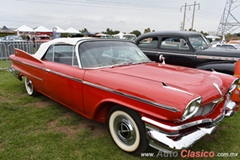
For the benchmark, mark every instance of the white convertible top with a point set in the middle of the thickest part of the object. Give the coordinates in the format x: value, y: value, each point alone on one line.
x: 44, y: 46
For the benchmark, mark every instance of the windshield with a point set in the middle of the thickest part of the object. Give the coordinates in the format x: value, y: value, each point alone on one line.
x: 110, y: 53
x: 199, y: 42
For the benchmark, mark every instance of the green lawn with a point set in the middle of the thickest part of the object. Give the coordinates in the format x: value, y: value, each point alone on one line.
x: 41, y: 129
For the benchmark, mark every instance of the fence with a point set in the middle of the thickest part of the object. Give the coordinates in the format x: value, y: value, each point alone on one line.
x: 7, y: 48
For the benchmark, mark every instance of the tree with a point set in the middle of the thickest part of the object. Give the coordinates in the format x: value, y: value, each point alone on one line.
x: 110, y: 31
x: 84, y: 30
x: 147, y: 30
x: 136, y: 32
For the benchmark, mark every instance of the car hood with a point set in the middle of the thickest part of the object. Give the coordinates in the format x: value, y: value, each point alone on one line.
x: 157, y: 79
x: 186, y: 79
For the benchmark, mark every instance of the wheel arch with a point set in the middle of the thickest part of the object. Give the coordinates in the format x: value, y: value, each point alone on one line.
x: 102, y: 111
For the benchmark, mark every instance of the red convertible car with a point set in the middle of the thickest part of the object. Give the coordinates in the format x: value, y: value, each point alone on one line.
x: 145, y: 103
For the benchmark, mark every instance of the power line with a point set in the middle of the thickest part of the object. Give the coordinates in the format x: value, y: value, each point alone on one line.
x: 193, y: 15
x: 105, y: 4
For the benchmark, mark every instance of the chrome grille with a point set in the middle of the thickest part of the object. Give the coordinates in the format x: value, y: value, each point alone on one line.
x: 203, y: 110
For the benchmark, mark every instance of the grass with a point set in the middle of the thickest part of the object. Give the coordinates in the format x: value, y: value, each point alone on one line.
x: 41, y: 129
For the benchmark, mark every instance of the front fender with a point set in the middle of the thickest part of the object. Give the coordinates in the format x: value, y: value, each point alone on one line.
x: 227, y: 68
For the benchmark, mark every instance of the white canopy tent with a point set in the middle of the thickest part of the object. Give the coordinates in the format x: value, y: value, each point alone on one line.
x: 24, y: 28
x: 59, y: 30
x: 71, y: 30
x: 42, y: 29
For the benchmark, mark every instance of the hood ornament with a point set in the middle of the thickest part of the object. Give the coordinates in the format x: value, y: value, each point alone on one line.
x: 162, y: 59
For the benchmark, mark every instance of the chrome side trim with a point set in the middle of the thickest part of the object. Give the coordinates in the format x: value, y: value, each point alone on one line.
x: 40, y: 79
x: 16, y: 73
x: 199, y: 56
x: 183, y: 126
x: 173, y: 109
x: 149, y: 51
x: 64, y: 75
x: 97, y: 86
x: 172, y: 53
x: 218, y: 58
x: 28, y: 64
x: 50, y: 71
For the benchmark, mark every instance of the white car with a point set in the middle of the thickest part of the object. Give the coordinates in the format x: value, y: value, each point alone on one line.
x: 227, y: 46
x: 12, y: 38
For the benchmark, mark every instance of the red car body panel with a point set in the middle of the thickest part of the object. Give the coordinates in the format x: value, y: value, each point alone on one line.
x: 69, y: 92
x: 156, y: 91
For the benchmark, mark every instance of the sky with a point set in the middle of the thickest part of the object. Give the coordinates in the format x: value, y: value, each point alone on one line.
x: 121, y: 15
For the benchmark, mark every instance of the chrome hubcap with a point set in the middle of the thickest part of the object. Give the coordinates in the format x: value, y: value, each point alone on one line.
x: 29, y: 86
x: 125, y: 130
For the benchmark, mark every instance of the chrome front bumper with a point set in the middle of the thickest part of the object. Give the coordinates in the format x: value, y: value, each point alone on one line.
x: 163, y: 141
x: 230, y: 106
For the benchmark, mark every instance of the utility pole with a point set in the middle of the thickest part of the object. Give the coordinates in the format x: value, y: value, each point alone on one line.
x: 184, y: 17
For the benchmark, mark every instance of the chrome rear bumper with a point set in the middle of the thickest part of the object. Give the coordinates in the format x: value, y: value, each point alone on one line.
x: 14, y: 72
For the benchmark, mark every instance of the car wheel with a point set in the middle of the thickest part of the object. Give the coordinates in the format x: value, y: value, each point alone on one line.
x: 29, y: 87
x: 127, y: 130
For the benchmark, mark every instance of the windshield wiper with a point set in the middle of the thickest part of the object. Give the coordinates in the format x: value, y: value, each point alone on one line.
x: 129, y: 63
x: 122, y: 64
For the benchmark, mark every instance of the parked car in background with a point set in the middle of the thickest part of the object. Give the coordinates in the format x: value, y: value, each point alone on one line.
x: 234, y: 41
x: 189, y: 49
x: 126, y: 36
x: 102, y: 35
x: 13, y: 38
x: 42, y: 38
x: 142, y: 101
x: 227, y: 46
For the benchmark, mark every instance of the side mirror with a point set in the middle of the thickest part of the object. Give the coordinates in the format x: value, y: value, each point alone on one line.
x: 162, y: 59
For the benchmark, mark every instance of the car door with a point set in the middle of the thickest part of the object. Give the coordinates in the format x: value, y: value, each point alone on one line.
x: 63, y: 80
x: 149, y: 46
x: 177, y: 51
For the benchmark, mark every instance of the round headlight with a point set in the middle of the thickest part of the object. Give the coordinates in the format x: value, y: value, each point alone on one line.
x: 234, y: 85
x: 191, y: 108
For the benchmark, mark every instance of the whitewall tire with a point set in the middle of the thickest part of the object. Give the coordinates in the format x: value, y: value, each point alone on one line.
x: 29, y: 87
x: 127, y: 130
